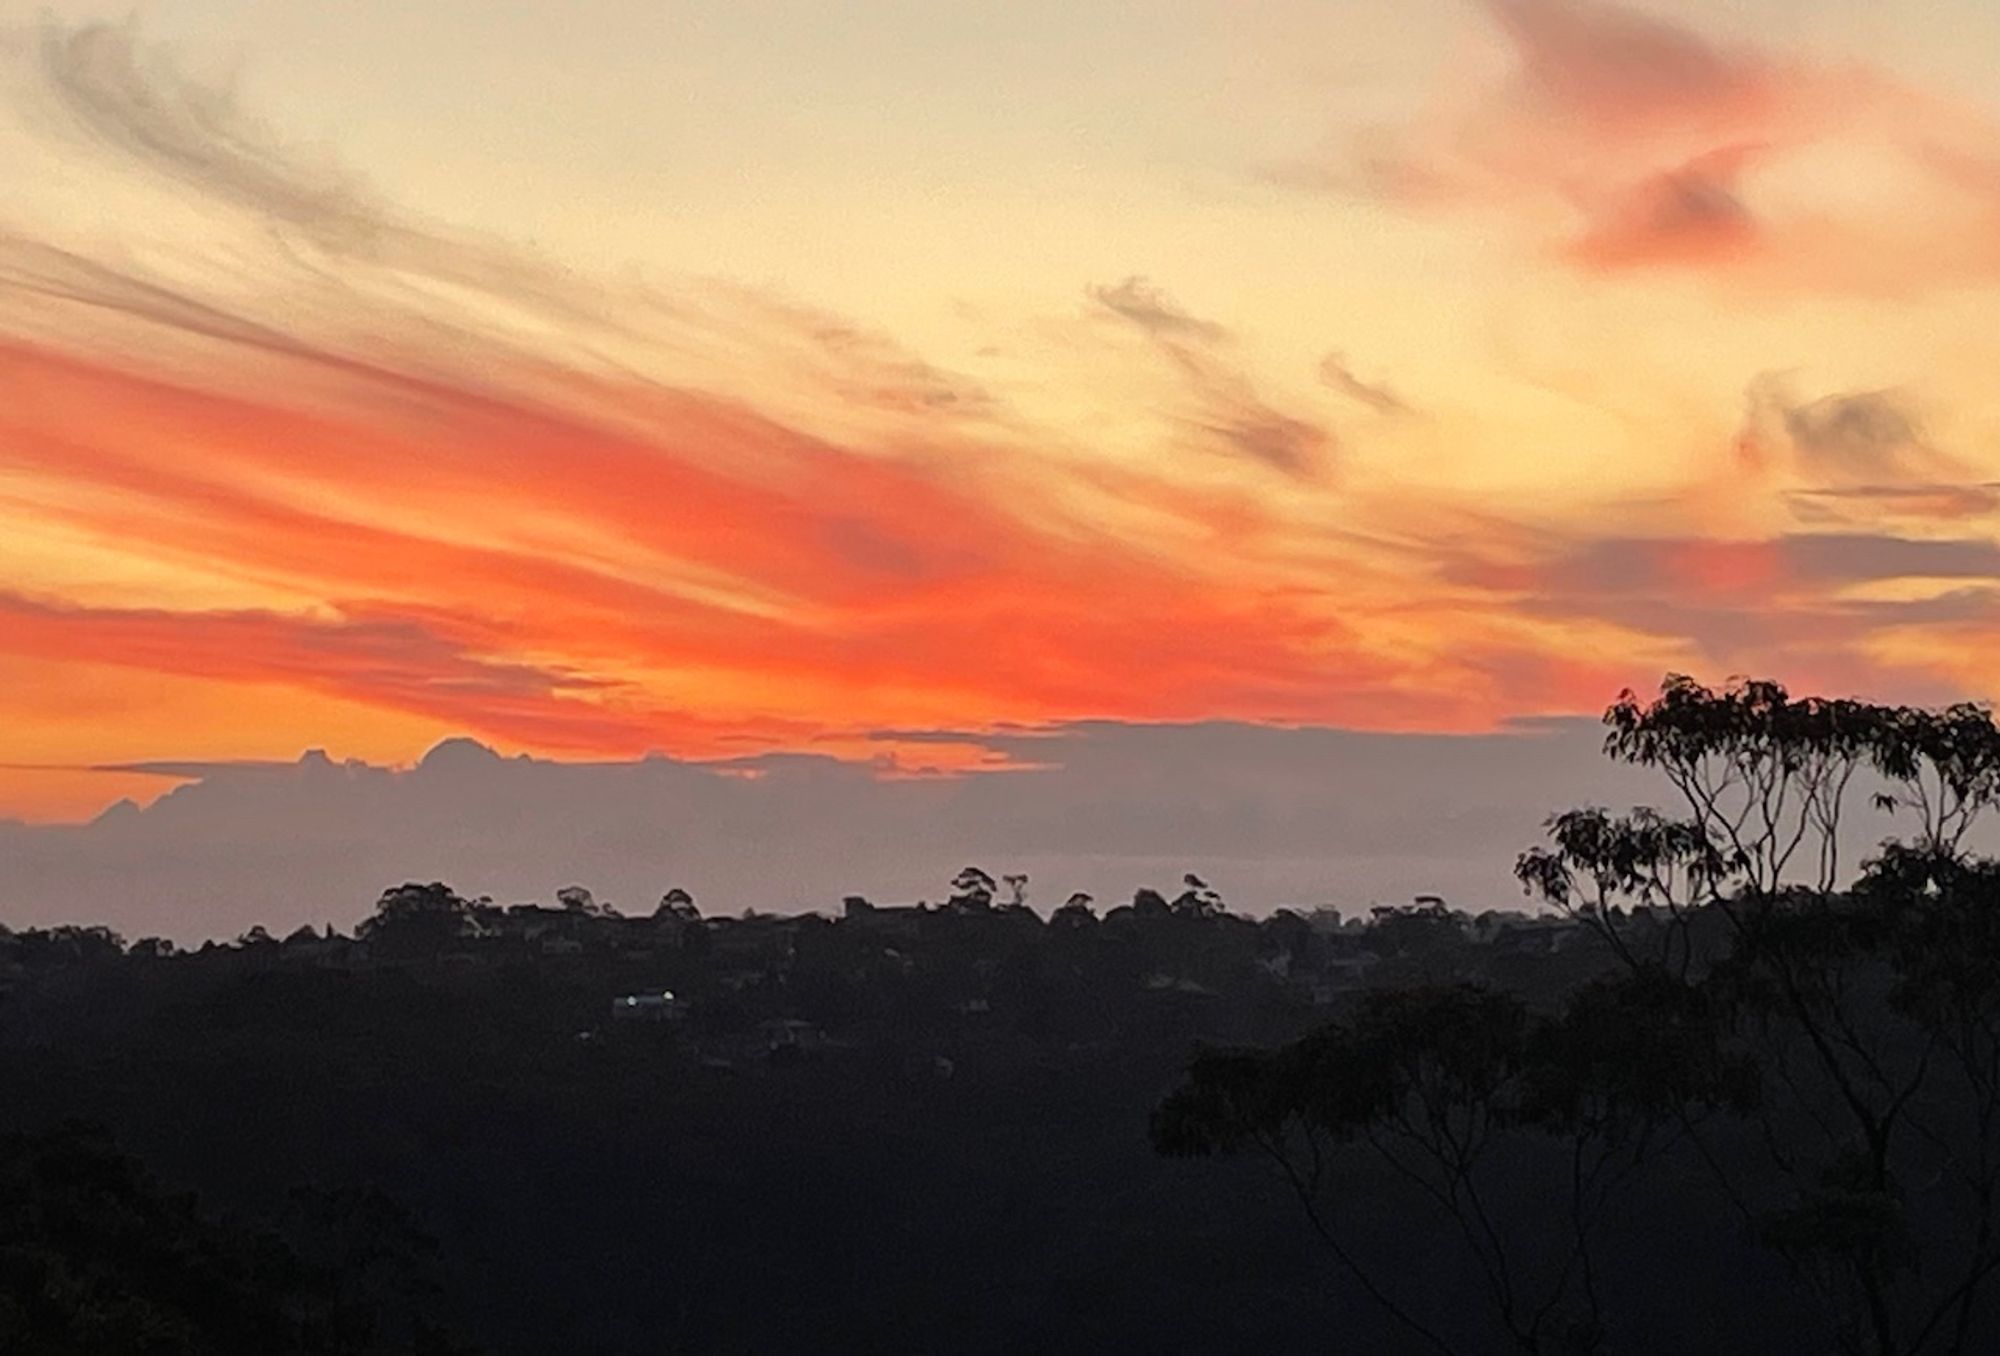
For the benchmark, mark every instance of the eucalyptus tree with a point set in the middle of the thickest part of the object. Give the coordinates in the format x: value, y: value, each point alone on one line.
x: 1437, y: 1087
x: 1826, y: 1052
x: 1866, y: 1011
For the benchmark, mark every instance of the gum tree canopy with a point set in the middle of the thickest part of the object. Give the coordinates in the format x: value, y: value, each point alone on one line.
x: 1820, y: 1056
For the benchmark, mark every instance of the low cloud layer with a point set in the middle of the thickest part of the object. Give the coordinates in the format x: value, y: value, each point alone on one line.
x: 1271, y: 816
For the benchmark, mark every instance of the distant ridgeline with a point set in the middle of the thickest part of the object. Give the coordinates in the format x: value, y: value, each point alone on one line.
x: 430, y: 927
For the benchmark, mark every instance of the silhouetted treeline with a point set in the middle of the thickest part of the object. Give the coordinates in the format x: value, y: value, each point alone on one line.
x: 902, y: 1128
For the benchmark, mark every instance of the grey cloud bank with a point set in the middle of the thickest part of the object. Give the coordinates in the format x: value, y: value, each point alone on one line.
x: 1272, y: 816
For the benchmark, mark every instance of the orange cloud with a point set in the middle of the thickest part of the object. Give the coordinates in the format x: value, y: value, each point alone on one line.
x: 506, y: 534
x: 375, y: 482
x: 396, y: 663
x: 569, y: 563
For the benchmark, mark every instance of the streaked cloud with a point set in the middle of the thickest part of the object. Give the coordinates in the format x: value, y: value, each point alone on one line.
x: 1848, y: 437
x: 1223, y: 405
x: 1334, y: 372
x: 1146, y: 306
x: 1620, y: 142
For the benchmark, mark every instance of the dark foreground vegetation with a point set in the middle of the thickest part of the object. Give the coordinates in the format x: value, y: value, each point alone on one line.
x: 1800, y: 1078
x: 1728, y: 1094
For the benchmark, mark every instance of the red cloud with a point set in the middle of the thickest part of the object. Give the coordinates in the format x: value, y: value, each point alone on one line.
x: 1692, y: 214
x: 391, y: 662
x: 531, y: 573
x: 581, y: 578
x: 1655, y: 148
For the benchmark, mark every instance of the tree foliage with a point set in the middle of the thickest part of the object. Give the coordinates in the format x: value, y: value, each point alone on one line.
x: 1827, y: 1052
x: 415, y: 919
x: 97, y: 1259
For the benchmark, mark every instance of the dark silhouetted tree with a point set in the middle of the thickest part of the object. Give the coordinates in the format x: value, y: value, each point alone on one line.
x: 67, y: 944
x: 1285, y: 933
x: 1423, y: 930
x: 416, y: 920
x: 1430, y: 1083
x: 972, y: 891
x: 677, y: 903
x: 1076, y: 912
x: 576, y: 899
x: 96, y: 1259
x: 1197, y: 899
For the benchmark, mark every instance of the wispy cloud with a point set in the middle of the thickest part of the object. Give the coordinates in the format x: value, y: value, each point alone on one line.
x: 119, y: 97
x: 1850, y: 504
x: 405, y: 662
x: 1847, y: 438
x: 1334, y: 372
x: 1622, y: 142
x: 1146, y: 306
x: 505, y: 497
x: 1224, y: 406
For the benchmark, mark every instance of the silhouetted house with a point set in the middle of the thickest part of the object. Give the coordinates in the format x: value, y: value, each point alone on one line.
x: 1343, y: 974
x: 766, y: 941
x: 328, y: 951
x: 736, y: 981
x: 532, y: 922
x: 790, y: 1035
x: 1161, y: 982
x: 886, y: 922
x: 256, y: 957
x: 667, y: 931
x: 1536, y: 934
x: 640, y: 939
x: 654, y: 1005
x: 1323, y: 919
x: 1487, y: 927
x: 1121, y: 919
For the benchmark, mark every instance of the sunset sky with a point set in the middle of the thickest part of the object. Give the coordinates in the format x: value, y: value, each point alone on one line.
x: 731, y: 376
